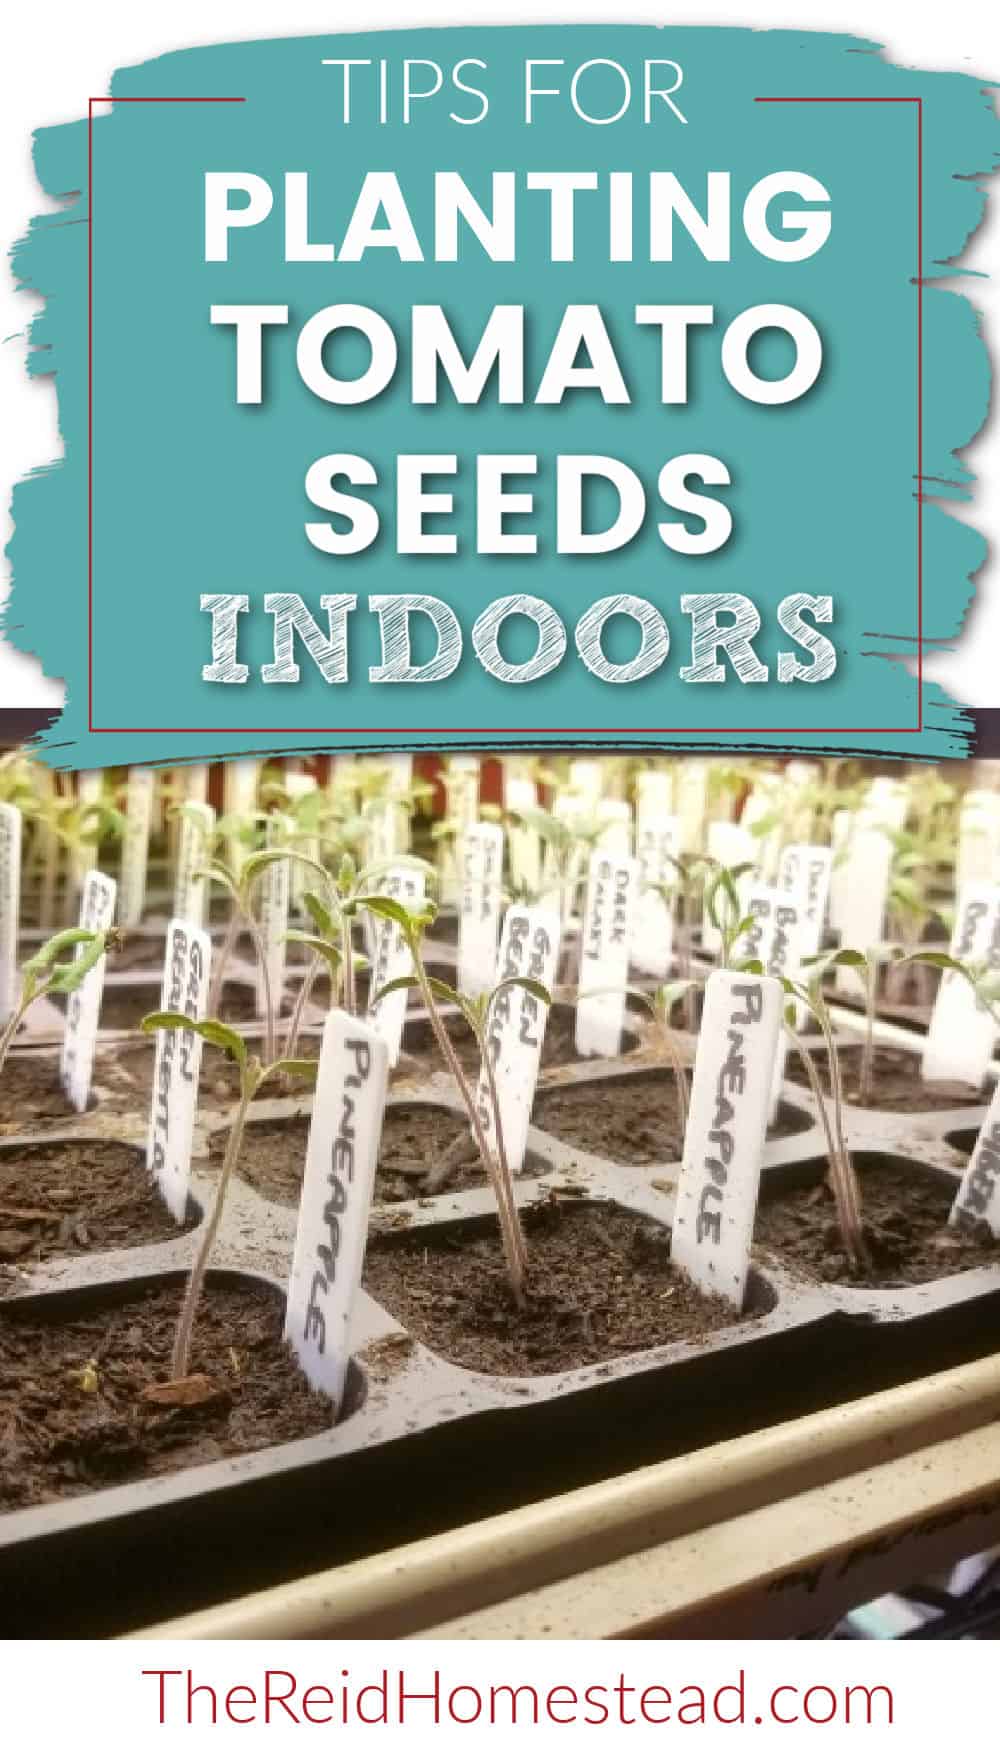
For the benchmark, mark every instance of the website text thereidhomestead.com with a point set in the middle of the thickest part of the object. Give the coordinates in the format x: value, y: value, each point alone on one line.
x: 391, y: 1697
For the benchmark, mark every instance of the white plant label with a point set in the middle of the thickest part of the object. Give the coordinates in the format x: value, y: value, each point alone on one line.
x: 344, y: 778
x: 978, y: 838
x: 400, y: 773
x: 804, y: 875
x: 380, y: 822
x: 240, y: 789
x: 773, y: 939
x: 302, y: 879
x: 461, y: 812
x: 196, y: 783
x: 979, y: 1193
x: 760, y: 806
x: 962, y: 1034
x: 193, y: 852
x: 480, y: 864
x: 800, y: 774
x: 730, y: 1105
x: 615, y: 821
x: 525, y: 844
x: 177, y: 1064
x: 89, y: 791
x: 783, y: 961
x: 567, y: 809
x: 841, y: 831
x: 400, y: 781
x: 341, y: 1158
x: 654, y: 794
x: 761, y: 908
x: 729, y: 845
x: 10, y: 894
x: 612, y: 885
x: 865, y: 887
x: 804, y: 880
x: 888, y: 803
x: 274, y: 887
x: 139, y: 790
x: 392, y: 959
x: 83, y: 1006
x: 240, y: 786
x: 529, y: 948
x: 463, y: 791
x: 586, y: 780
x: 657, y: 842
x: 689, y: 802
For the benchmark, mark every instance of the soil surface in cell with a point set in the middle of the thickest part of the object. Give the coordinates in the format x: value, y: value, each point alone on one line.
x: 634, y: 1120
x: 218, y: 1085
x: 73, y: 1417
x: 911, y: 1015
x: 67, y: 1198
x: 124, y: 1005
x: 558, y: 1045
x: 31, y: 1092
x: 905, y: 1214
x: 425, y: 1151
x: 601, y: 1286
x: 896, y: 1083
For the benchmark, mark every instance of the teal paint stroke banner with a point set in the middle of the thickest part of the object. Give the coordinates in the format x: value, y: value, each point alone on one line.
x: 172, y: 489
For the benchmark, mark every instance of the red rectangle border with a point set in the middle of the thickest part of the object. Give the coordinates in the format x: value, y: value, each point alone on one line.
x: 589, y: 730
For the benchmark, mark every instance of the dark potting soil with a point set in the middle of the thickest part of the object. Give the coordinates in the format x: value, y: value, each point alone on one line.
x: 896, y: 1083
x: 558, y: 1045
x: 444, y: 929
x: 905, y: 1214
x: 65, y: 1198
x: 913, y: 1016
x: 72, y: 1416
x: 421, y: 1154
x: 31, y: 1092
x: 601, y: 1285
x: 219, y: 1081
x: 124, y: 1005
x: 633, y: 1120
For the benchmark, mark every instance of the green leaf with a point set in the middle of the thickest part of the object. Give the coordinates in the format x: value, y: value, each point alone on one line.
x: 305, y: 1068
x: 407, y: 982
x: 929, y: 957
x: 443, y: 992
x: 43, y: 958
x: 552, y: 831
x: 533, y: 986
x: 393, y: 910
x: 310, y: 810
x: 672, y: 993
x: 218, y: 872
x: 766, y: 824
x: 722, y: 886
x: 321, y: 916
x: 213, y: 1032
x: 261, y: 860
x: 192, y: 811
x: 69, y: 977
x: 848, y: 957
x: 383, y: 866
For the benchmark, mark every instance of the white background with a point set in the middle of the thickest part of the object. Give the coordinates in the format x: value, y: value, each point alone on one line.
x: 79, y: 1693
x: 54, y: 54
